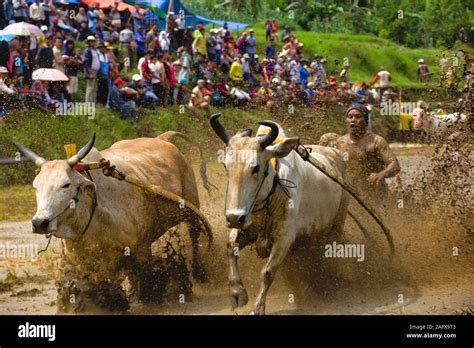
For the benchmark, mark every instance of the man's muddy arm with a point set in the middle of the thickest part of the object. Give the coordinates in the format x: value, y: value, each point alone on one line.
x: 392, y: 169
x: 391, y: 165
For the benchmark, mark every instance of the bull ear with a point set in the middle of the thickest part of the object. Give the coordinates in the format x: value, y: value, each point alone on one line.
x: 283, y: 148
x: 246, y: 133
x: 87, y: 186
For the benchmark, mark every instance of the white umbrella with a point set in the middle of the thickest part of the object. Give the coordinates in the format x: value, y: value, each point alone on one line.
x: 49, y: 75
x: 23, y: 29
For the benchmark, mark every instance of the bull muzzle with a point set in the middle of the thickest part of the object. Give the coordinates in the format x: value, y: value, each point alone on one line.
x: 40, y: 226
x: 235, y: 220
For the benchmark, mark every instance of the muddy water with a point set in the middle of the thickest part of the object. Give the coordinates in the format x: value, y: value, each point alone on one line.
x: 423, y: 278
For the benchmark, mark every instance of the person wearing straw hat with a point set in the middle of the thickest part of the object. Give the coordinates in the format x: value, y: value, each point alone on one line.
x: 103, y: 75
x: 91, y: 68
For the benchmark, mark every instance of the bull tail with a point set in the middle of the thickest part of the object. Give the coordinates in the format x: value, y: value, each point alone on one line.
x: 166, y: 136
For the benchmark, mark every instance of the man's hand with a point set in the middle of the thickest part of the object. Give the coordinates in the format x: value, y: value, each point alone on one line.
x: 375, y: 178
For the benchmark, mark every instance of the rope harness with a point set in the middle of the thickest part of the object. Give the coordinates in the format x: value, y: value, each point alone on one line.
x: 266, y: 202
x: 111, y: 171
x: 75, y: 199
x: 304, y: 153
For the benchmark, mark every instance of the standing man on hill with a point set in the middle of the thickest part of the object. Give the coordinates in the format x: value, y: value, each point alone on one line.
x: 45, y: 56
x: 91, y: 68
x: 422, y: 71
x: 251, y: 47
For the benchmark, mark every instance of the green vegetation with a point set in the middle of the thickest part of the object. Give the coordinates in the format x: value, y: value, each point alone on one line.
x: 366, y: 54
x: 428, y: 23
x: 17, y: 203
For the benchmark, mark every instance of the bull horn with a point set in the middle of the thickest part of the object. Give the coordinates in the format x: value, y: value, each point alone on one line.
x: 218, y: 128
x: 269, y: 138
x: 33, y: 157
x: 82, y: 152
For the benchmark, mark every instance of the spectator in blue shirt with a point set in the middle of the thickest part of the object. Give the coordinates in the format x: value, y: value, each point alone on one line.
x: 304, y: 75
x: 138, y: 19
x: 270, y: 49
x: 251, y: 45
x: 140, y: 39
x: 8, y: 9
x: 91, y: 18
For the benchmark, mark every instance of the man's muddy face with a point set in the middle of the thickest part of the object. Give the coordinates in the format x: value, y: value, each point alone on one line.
x: 356, y: 123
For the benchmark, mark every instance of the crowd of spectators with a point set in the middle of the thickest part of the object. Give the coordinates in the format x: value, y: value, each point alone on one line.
x: 166, y: 62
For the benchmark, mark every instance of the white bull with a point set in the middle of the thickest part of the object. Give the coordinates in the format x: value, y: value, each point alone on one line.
x: 108, y: 225
x: 274, y: 206
x: 439, y: 123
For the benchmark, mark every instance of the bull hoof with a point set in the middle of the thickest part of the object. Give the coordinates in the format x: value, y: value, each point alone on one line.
x: 238, y: 296
x: 259, y: 310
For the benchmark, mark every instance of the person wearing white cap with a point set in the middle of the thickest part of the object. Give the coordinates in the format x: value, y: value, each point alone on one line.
x: 251, y: 46
x: 4, y: 89
x: 245, y: 64
x: 422, y: 71
x: 211, y: 44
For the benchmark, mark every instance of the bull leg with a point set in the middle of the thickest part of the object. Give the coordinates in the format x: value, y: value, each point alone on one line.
x: 198, y: 268
x: 340, y: 219
x: 279, y: 251
x: 238, y: 293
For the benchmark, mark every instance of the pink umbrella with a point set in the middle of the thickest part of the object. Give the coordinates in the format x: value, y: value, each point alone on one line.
x: 23, y: 29
x: 49, y: 75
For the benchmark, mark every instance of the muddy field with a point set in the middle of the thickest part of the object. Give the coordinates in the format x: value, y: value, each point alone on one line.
x: 431, y: 273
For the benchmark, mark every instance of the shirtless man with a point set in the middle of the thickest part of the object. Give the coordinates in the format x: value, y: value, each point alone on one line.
x: 369, y: 158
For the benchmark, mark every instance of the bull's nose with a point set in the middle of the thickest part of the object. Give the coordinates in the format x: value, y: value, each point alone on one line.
x: 235, y: 220
x: 40, y: 225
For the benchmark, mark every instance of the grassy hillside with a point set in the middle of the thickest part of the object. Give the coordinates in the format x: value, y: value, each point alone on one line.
x: 47, y: 134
